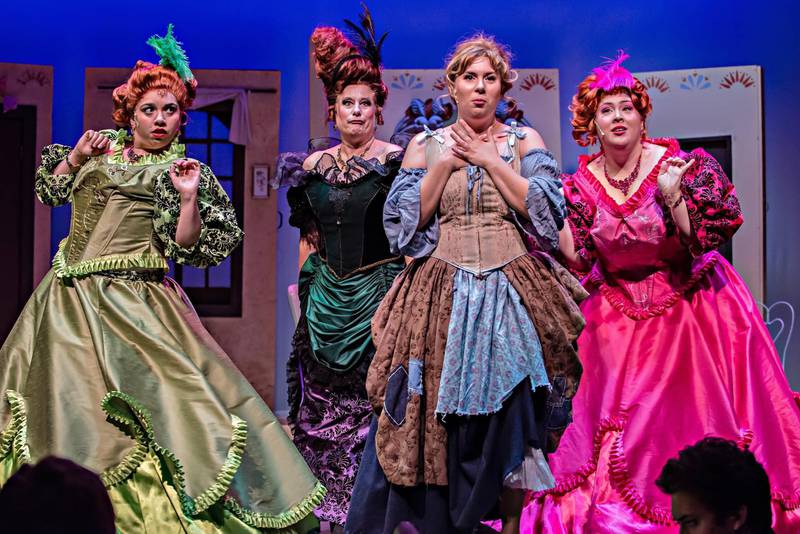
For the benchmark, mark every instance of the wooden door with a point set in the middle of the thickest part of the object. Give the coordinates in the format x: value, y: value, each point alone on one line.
x: 17, y: 154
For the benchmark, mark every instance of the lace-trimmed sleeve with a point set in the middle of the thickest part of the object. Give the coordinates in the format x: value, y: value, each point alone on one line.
x: 290, y: 171
x: 302, y: 217
x: 219, y: 231
x: 53, y: 189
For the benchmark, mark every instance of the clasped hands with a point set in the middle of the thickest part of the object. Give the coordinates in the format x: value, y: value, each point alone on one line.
x: 471, y: 148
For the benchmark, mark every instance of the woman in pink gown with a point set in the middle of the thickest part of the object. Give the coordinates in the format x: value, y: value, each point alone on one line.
x: 674, y: 347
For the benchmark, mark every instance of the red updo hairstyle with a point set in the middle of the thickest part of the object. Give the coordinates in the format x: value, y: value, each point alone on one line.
x: 145, y: 77
x: 342, y: 65
x: 330, y: 47
x: 586, y: 101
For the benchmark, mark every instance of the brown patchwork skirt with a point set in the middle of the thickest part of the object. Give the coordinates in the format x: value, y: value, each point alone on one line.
x: 412, y: 324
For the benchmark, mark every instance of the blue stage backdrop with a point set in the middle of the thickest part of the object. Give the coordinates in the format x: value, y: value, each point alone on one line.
x: 571, y: 36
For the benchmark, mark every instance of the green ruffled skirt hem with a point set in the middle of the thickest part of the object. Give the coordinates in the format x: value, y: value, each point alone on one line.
x: 147, y: 487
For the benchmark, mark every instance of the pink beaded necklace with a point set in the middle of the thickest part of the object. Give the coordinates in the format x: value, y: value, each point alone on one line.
x: 624, y: 184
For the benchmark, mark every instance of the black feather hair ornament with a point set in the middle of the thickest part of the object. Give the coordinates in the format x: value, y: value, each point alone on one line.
x: 364, y: 36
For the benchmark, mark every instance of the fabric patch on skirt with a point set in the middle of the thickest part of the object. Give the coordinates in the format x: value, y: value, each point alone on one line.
x: 415, y: 368
x: 396, y: 399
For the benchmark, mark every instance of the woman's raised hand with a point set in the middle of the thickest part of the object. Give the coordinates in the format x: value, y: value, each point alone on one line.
x: 185, y: 175
x: 91, y: 143
x: 669, y: 178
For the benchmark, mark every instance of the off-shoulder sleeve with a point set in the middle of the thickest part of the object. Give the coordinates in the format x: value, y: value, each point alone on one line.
x: 53, y: 189
x: 580, y: 217
x: 401, y: 217
x: 219, y: 231
x: 544, y: 201
x: 289, y: 170
x: 710, y: 197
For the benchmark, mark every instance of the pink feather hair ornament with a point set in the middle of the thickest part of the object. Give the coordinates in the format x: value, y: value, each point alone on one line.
x: 612, y: 74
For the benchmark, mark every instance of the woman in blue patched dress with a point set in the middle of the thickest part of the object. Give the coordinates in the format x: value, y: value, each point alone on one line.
x: 475, y: 361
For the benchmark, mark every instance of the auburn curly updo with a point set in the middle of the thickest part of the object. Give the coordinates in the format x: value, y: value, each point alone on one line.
x: 340, y: 64
x: 145, y: 77
x: 330, y: 47
x: 586, y: 101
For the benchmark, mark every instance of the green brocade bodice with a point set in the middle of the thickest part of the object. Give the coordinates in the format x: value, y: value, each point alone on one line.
x: 124, y: 215
x: 112, y: 221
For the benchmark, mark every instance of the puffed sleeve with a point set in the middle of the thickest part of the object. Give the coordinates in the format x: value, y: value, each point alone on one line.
x: 53, y: 189
x: 710, y: 197
x: 401, y: 217
x: 580, y: 217
x: 290, y: 171
x: 544, y: 201
x: 302, y: 217
x: 219, y: 231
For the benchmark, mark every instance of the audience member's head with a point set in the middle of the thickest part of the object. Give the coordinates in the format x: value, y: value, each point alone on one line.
x: 717, y: 488
x: 55, y: 496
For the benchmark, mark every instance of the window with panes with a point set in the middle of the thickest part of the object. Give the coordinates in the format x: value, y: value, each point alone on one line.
x: 217, y: 290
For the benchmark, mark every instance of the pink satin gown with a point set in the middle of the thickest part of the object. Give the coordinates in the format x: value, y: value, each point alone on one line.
x: 674, y: 350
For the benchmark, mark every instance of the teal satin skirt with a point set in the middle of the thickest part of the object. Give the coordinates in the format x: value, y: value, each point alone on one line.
x: 339, y: 310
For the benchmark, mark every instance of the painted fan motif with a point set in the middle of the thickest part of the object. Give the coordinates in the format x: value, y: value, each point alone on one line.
x: 659, y: 84
x: 407, y: 81
x: 532, y: 80
x: 695, y: 82
x: 737, y: 76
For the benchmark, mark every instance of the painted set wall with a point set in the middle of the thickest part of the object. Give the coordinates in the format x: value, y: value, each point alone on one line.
x: 570, y: 36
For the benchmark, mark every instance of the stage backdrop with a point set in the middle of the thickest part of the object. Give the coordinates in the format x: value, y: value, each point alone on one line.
x: 570, y: 36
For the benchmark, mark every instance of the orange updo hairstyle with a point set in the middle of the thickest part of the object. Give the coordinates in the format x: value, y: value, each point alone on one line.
x: 477, y: 46
x: 586, y: 101
x: 342, y: 65
x: 145, y: 77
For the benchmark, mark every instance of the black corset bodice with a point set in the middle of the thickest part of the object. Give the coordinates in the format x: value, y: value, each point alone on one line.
x: 341, y: 211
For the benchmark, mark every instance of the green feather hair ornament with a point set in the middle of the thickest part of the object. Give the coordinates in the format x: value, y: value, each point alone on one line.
x: 171, y: 54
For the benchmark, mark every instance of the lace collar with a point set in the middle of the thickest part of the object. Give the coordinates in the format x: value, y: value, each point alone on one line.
x: 355, y: 169
x: 119, y: 139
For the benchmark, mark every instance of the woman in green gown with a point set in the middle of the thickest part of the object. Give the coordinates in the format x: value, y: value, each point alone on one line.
x: 109, y: 366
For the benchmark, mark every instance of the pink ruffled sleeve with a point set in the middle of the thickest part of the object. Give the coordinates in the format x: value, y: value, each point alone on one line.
x: 710, y: 197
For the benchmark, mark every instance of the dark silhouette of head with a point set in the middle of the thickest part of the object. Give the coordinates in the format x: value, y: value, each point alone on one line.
x: 55, y: 496
x: 718, y: 488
